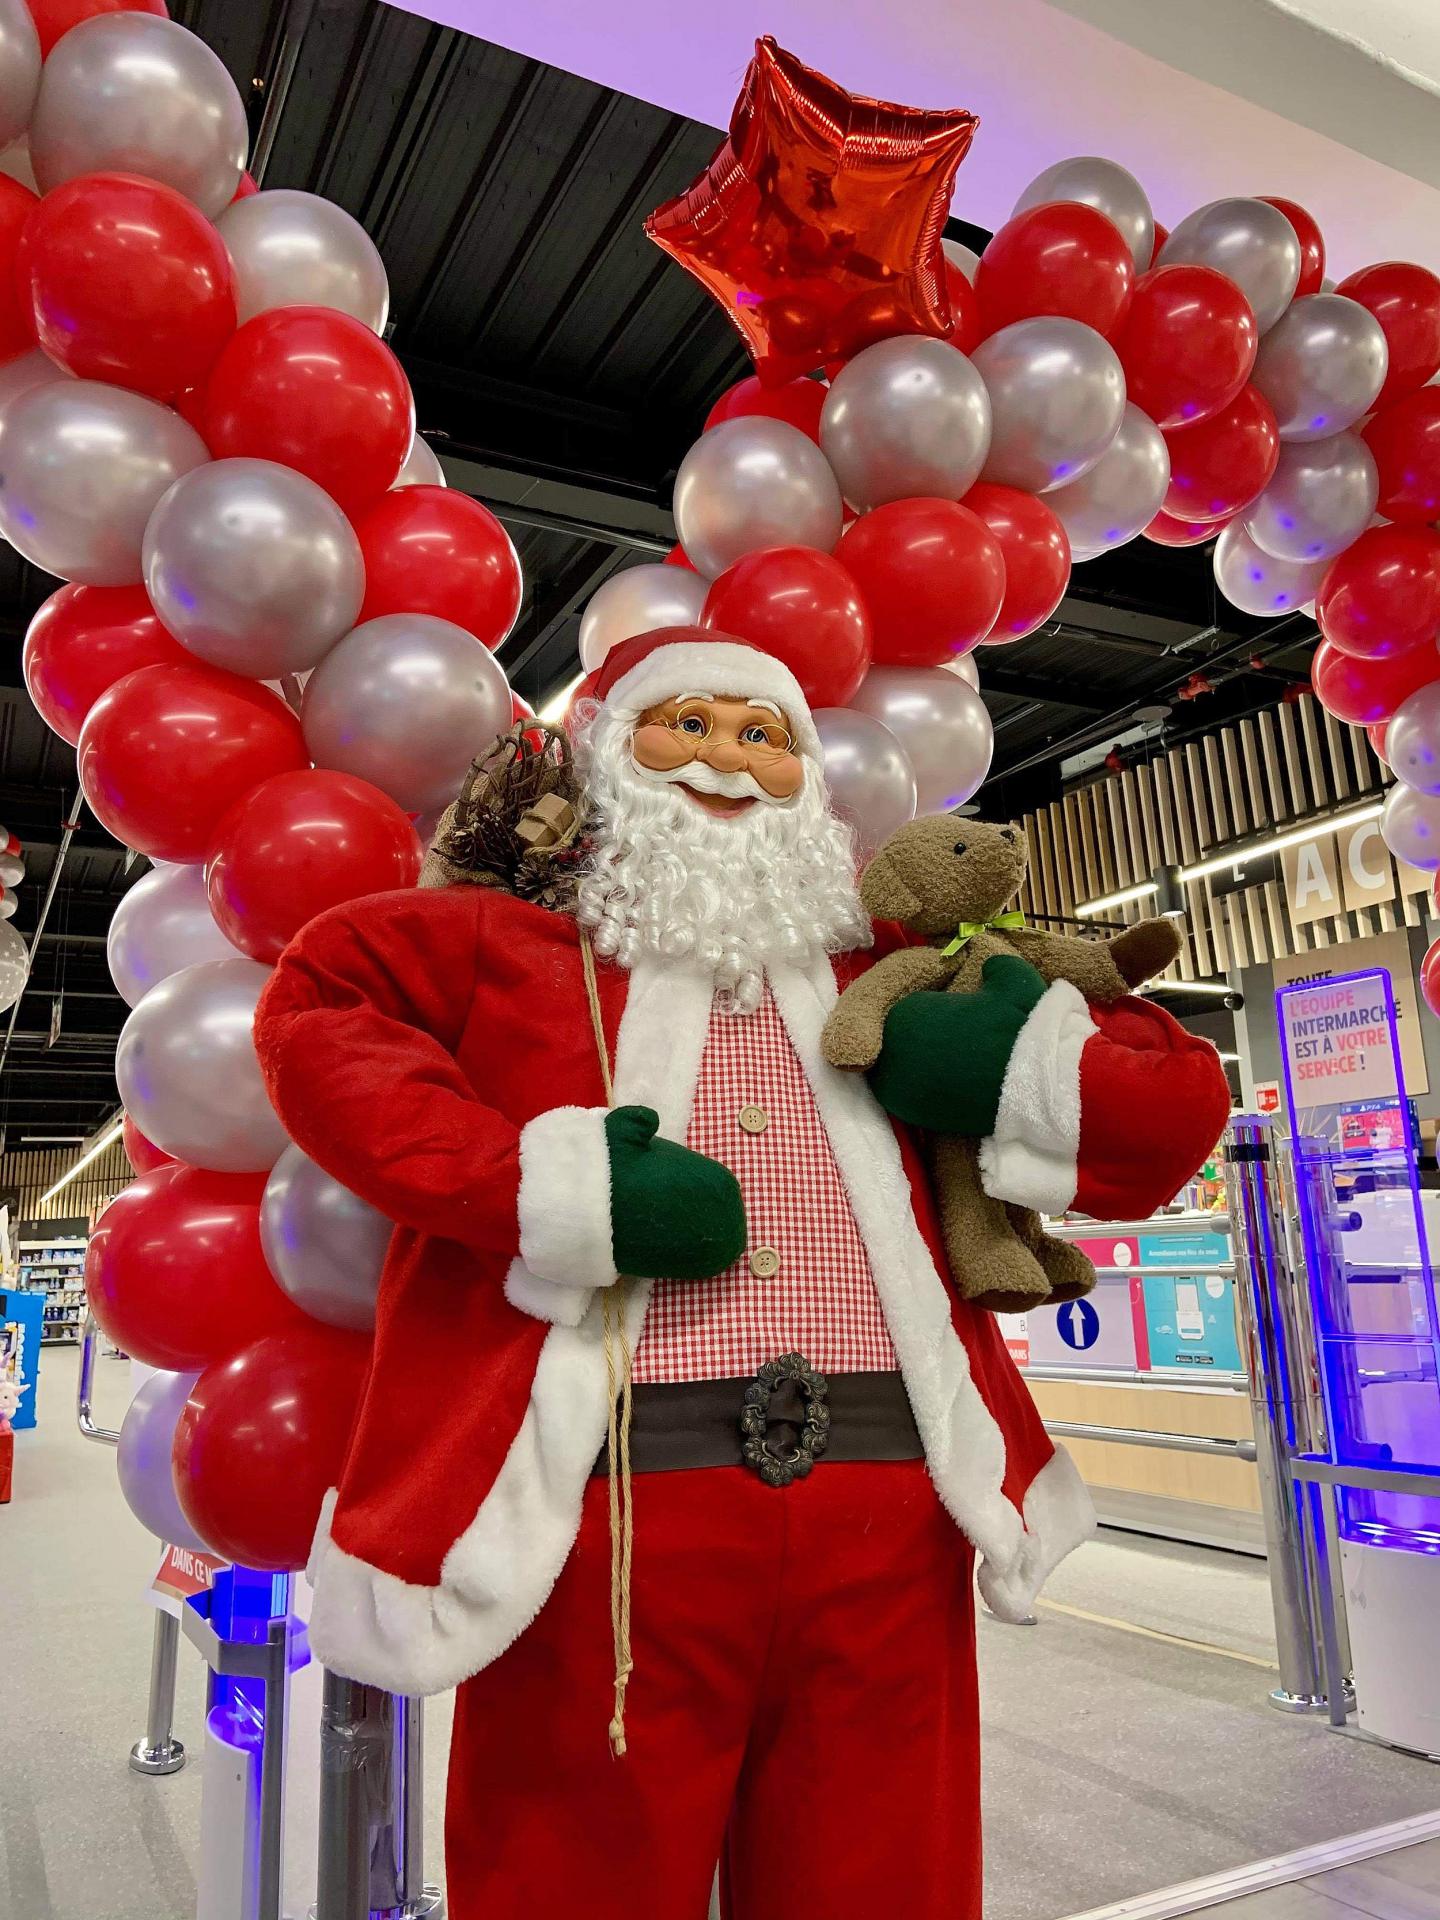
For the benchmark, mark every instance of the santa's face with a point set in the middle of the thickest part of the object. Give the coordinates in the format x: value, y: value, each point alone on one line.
x: 725, y: 755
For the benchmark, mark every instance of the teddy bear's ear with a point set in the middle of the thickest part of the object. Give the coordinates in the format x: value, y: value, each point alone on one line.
x: 884, y: 893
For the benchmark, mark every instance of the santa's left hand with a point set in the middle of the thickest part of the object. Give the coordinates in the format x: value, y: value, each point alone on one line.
x: 944, y: 1057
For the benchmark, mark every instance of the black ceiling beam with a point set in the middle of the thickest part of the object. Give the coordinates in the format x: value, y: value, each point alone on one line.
x: 1018, y: 685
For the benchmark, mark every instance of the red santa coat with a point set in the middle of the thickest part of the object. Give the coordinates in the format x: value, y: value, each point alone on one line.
x: 433, y: 1051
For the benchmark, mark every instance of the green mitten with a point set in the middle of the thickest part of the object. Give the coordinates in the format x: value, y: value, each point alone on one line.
x: 674, y: 1214
x: 943, y: 1060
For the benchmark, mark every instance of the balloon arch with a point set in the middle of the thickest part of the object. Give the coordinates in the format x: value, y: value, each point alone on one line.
x: 275, y: 650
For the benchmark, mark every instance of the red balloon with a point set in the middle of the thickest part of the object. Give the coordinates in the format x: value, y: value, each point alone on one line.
x: 263, y: 1438
x: 931, y: 576
x: 966, y: 331
x: 1063, y: 258
x: 84, y: 639
x: 816, y: 227
x: 1405, y: 440
x: 1312, y: 245
x: 127, y: 282
x: 1221, y: 464
x: 56, y: 17
x: 433, y: 550
x: 1382, y: 594
x: 803, y: 607
x: 1187, y: 344
x: 165, y: 752
x: 300, y: 843
x: 1430, y: 971
x: 1363, y: 692
x: 1166, y: 531
x: 144, y: 1156
x: 1376, y: 734
x: 1036, y: 552
x: 174, y: 1270
x: 315, y: 390
x: 1162, y: 234
x: 797, y: 403
x: 1405, y: 299
x: 17, y: 327
x: 677, y: 557
x: 246, y: 187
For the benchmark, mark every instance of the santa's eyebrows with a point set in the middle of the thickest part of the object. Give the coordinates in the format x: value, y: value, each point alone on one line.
x: 743, y: 698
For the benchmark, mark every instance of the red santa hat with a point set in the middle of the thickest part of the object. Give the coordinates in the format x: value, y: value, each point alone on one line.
x: 674, y: 661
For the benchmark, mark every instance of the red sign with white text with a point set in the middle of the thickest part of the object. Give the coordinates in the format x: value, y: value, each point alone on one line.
x: 184, y: 1573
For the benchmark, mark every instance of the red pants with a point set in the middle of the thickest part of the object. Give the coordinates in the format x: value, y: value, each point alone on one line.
x: 803, y: 1710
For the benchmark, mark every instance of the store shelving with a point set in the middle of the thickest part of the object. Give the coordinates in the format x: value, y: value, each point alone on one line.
x: 56, y: 1269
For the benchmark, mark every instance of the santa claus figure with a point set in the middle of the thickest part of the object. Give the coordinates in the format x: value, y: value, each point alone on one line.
x: 695, y: 1441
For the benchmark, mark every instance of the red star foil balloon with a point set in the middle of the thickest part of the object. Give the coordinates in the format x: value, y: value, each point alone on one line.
x: 817, y: 225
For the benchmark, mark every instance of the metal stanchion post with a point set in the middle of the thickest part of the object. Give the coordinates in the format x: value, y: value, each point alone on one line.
x: 1264, y: 1291
x: 372, y: 1807
x: 160, y: 1751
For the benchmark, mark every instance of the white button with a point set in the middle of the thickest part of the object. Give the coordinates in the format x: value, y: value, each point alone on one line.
x: 764, y: 1263
x: 754, y: 1119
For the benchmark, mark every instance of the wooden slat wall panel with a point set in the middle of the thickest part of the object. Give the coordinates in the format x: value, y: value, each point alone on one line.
x: 29, y: 1173
x: 1279, y: 766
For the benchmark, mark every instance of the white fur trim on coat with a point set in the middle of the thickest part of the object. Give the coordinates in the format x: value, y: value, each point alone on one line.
x: 1031, y: 1158
x: 1059, y: 1515
x: 717, y: 667
x: 565, y: 1201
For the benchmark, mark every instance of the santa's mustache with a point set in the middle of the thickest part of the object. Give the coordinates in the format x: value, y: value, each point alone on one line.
x: 699, y: 774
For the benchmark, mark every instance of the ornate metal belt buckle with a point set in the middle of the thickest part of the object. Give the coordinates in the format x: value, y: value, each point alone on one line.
x: 784, y: 1420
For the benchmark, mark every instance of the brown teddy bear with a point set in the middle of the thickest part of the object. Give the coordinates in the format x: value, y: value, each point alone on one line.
x: 949, y: 878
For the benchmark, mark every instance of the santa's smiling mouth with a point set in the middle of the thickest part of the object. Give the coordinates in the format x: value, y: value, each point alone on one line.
x: 718, y: 803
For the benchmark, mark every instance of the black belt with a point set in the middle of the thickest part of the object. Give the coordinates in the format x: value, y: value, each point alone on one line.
x: 778, y: 1422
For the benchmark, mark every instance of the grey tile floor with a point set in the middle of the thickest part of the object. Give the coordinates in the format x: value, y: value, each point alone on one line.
x: 1404, y: 1885
x: 1115, y: 1763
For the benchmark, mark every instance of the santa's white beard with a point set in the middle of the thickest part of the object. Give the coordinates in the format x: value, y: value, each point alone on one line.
x: 771, y: 886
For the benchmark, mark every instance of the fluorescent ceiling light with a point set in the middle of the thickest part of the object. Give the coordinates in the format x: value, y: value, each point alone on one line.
x: 1226, y: 1056
x: 554, y: 708
x: 1089, y: 908
x: 1237, y: 856
x: 1188, y: 986
x: 106, y: 1139
x: 51, y: 1139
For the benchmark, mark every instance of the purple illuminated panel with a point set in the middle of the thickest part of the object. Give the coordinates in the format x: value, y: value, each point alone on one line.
x: 1366, y: 1235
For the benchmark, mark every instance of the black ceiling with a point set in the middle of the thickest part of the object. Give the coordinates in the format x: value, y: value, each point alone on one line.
x: 561, y: 365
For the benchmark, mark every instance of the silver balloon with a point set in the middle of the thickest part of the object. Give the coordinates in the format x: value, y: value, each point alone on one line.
x: 1412, y: 741
x: 638, y: 601
x: 1410, y: 826
x: 754, y: 483
x: 964, y: 258
x: 1105, y: 185
x: 422, y: 466
x: 1120, y: 494
x: 1248, y: 240
x: 1258, y: 583
x: 162, y: 925
x: 142, y: 1459
x: 1057, y: 398
x: 14, y: 966
x: 965, y: 667
x: 15, y: 161
x: 942, y: 725
x: 906, y: 417
x: 82, y: 466
x: 134, y: 93
x: 1321, y: 497
x: 324, y: 1245
x: 9, y: 906
x: 1321, y: 365
x: 253, y: 567
x: 187, y: 1073
x: 12, y: 870
x: 406, y: 702
x: 293, y: 249
x: 19, y: 69
x: 27, y: 370
x: 871, y: 781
